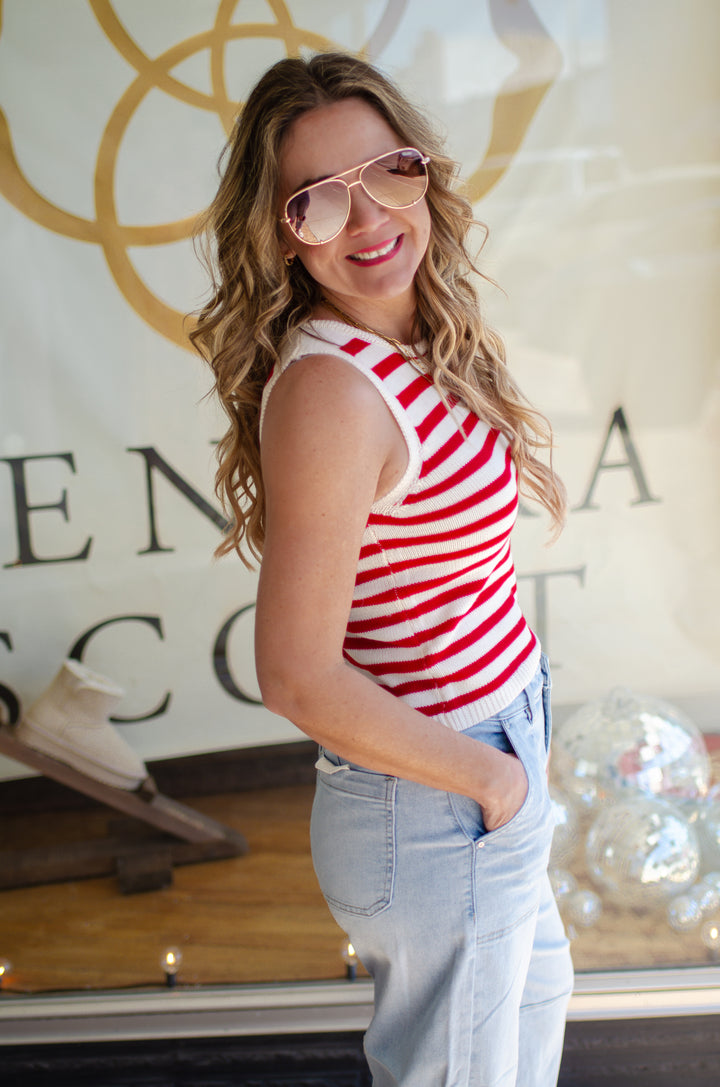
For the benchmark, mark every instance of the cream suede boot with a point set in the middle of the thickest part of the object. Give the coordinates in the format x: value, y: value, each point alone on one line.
x: 70, y: 722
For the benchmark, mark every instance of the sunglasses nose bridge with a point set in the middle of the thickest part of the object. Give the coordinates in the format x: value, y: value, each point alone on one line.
x: 365, y: 212
x: 359, y: 181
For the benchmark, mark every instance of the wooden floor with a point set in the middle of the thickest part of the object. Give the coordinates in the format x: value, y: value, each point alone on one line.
x: 258, y: 918
x: 247, y: 919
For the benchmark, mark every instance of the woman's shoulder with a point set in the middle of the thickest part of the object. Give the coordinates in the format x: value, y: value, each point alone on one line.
x: 320, y: 380
x: 323, y: 393
x: 330, y: 367
x: 317, y: 359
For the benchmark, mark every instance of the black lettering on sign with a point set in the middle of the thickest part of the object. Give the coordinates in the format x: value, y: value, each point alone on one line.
x: 631, y: 462
x: 23, y: 509
x: 540, y: 594
x: 9, y: 699
x: 220, y: 660
x: 77, y: 650
x: 154, y: 462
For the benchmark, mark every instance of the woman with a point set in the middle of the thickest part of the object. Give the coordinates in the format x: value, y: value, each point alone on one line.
x: 372, y: 458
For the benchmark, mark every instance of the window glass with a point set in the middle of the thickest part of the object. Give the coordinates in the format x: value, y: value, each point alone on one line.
x: 587, y: 136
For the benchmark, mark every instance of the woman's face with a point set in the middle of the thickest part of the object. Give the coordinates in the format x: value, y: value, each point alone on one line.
x: 378, y: 251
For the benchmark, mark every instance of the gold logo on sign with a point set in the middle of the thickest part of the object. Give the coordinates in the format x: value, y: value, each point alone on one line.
x: 514, y: 21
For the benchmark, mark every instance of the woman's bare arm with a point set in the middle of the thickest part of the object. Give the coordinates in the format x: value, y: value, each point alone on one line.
x: 329, y: 446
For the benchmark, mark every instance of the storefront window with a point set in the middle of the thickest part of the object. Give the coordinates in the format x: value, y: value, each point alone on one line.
x: 587, y: 137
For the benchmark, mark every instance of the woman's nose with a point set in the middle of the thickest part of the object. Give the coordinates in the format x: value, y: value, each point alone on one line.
x: 365, y: 213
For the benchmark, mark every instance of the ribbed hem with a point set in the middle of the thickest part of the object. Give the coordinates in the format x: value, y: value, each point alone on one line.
x: 483, y: 708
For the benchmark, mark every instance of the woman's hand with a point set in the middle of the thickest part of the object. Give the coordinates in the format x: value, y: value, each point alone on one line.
x: 507, y: 796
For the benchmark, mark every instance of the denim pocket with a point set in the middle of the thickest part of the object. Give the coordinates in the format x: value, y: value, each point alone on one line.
x: 509, y: 862
x: 467, y: 812
x: 352, y: 835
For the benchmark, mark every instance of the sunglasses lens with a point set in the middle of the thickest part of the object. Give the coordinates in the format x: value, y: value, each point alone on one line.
x: 398, y: 180
x: 317, y: 214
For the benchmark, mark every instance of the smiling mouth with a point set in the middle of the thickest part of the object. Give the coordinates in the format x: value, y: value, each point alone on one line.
x: 373, y: 256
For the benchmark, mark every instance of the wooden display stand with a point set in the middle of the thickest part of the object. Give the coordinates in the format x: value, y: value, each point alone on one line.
x: 141, y: 850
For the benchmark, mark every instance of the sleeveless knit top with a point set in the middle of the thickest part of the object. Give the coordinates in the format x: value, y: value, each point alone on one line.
x: 434, y: 617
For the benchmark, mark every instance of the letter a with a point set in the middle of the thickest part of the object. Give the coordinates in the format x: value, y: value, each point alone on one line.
x: 632, y: 461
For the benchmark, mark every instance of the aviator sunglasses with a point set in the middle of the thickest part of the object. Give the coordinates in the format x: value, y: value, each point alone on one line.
x: 317, y: 213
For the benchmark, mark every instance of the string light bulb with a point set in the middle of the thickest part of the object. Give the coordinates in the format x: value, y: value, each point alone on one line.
x: 710, y: 936
x: 5, y: 968
x: 170, y: 962
x: 349, y: 956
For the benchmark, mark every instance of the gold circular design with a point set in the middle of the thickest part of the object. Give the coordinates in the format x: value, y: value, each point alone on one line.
x: 515, y: 106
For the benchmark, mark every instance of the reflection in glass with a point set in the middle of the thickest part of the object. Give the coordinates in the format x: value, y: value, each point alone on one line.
x: 630, y: 743
x: 642, y: 852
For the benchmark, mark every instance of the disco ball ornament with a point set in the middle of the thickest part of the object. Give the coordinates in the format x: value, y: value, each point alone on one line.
x: 626, y: 743
x: 583, y: 908
x: 684, y: 913
x: 708, y: 827
x: 563, y: 884
x: 712, y: 879
x: 642, y: 852
x: 566, y: 836
x: 707, y: 896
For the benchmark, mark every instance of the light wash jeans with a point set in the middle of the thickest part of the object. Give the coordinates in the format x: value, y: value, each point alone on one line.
x: 458, y: 926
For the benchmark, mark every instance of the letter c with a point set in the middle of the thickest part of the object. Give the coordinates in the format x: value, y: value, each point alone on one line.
x: 76, y: 653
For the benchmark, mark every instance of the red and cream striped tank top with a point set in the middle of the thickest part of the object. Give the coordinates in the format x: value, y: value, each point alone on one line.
x: 434, y: 617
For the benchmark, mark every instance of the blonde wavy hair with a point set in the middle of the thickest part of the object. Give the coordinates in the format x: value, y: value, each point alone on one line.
x: 257, y: 301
